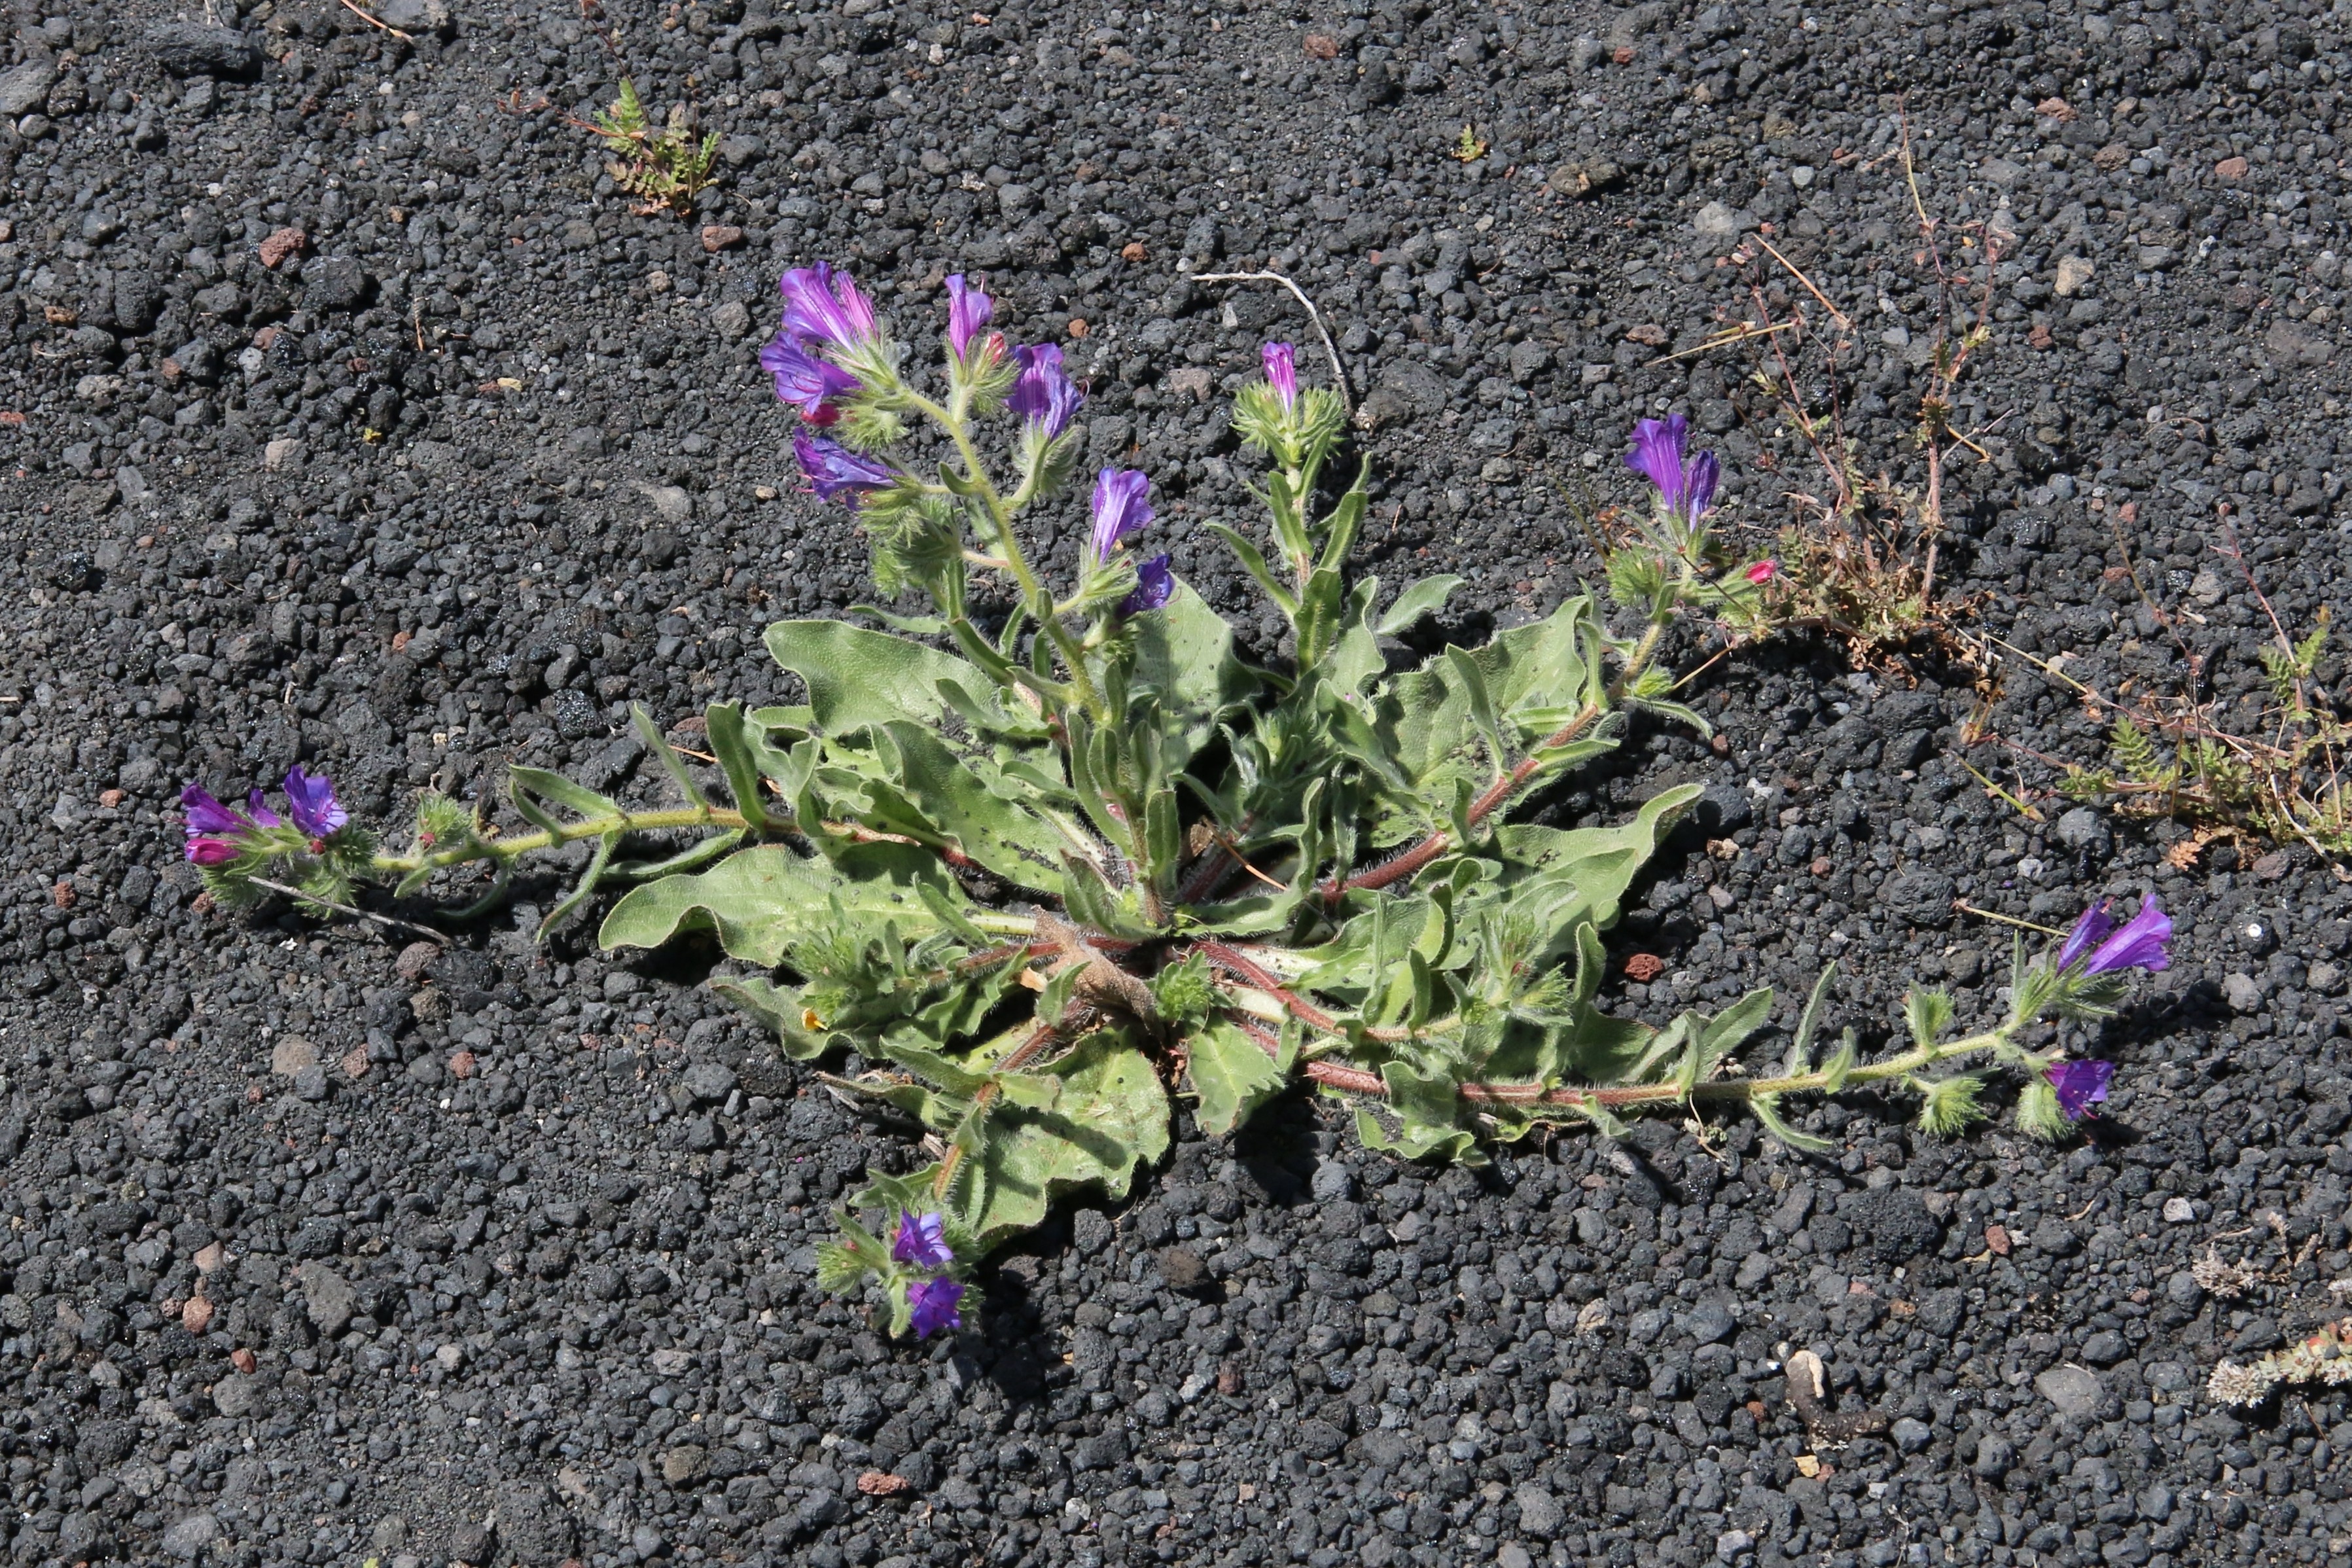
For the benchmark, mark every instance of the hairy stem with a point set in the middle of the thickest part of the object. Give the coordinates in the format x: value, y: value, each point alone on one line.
x: 1015, y: 560
x: 476, y: 848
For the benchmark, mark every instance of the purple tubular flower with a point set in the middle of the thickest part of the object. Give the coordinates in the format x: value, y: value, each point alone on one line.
x: 1121, y: 509
x: 823, y: 306
x: 934, y: 1303
x: 1685, y: 485
x: 311, y: 801
x: 2138, y: 945
x: 255, y: 808
x: 1282, y: 374
x: 969, y: 310
x: 2088, y: 932
x: 206, y: 815
x: 804, y: 381
x: 922, y: 1241
x: 2080, y: 1086
x: 1155, y: 584
x: 833, y: 468
x: 1041, y: 394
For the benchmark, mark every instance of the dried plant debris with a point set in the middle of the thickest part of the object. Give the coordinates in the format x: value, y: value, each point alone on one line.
x: 2324, y: 1357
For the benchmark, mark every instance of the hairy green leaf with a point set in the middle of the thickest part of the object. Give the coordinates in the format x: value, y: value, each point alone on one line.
x: 858, y: 677
x: 762, y: 901
x: 1232, y: 1075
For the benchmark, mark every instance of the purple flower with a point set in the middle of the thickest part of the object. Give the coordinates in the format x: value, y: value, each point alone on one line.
x: 206, y: 815
x: 804, y: 381
x: 311, y: 801
x: 1041, y: 394
x: 934, y: 1303
x: 255, y: 808
x: 969, y: 310
x: 2138, y: 945
x: 2088, y: 932
x: 1282, y: 374
x: 1121, y: 509
x: 2080, y: 1086
x: 833, y: 468
x: 1685, y: 485
x: 823, y: 308
x: 922, y: 1241
x: 1155, y: 584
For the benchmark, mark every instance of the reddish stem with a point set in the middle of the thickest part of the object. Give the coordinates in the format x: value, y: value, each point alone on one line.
x: 1242, y: 969
x: 1437, y: 844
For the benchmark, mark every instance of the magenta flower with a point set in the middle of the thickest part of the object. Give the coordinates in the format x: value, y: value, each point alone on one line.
x: 2138, y: 945
x: 823, y: 307
x: 804, y: 381
x: 934, y: 1304
x: 1155, y: 584
x: 922, y: 1241
x: 1282, y: 374
x: 311, y: 801
x: 2080, y: 1086
x: 207, y: 851
x: 1763, y: 571
x: 832, y: 469
x: 1041, y: 394
x: 1120, y: 510
x: 969, y: 310
x: 1687, y: 486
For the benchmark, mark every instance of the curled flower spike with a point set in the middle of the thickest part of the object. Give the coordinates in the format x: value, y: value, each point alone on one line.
x: 823, y: 307
x: 969, y: 312
x: 311, y: 801
x: 2080, y: 1086
x: 1120, y: 510
x: 921, y: 1241
x: 1282, y: 374
x: 1155, y: 584
x: 1685, y: 485
x: 1042, y: 394
x: 933, y: 1302
x: 2138, y: 945
x: 832, y: 469
x: 804, y: 381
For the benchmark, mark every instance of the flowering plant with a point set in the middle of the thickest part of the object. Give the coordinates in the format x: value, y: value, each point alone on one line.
x: 1067, y: 855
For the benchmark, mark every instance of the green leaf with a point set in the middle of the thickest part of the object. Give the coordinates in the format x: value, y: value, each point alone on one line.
x: 1841, y: 1063
x: 1555, y: 880
x: 1184, y: 657
x: 1253, y: 560
x: 1766, y: 1108
x: 672, y: 763
x: 1427, y: 721
x: 1233, y: 1076
x: 783, y: 1009
x: 1425, y: 597
x: 585, y: 888
x: 1801, y: 1049
x: 1482, y: 706
x: 1428, y: 1109
x: 1112, y: 1116
x: 533, y: 789
x: 1929, y: 1013
x: 762, y: 901
x: 952, y: 805
x: 858, y: 677
x: 730, y: 743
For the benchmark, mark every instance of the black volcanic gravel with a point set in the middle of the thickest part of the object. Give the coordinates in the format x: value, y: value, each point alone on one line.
x: 558, y: 1303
